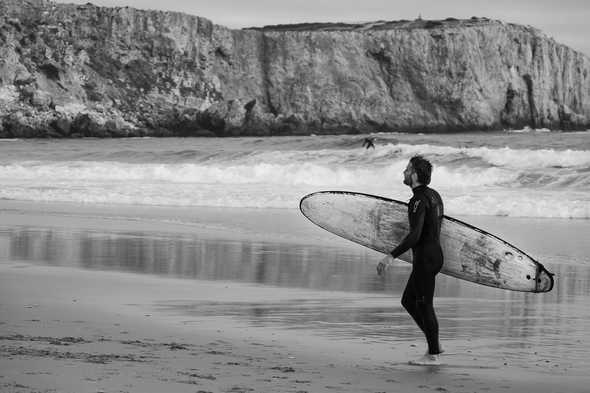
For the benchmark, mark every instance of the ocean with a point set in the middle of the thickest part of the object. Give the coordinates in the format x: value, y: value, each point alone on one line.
x: 525, y: 173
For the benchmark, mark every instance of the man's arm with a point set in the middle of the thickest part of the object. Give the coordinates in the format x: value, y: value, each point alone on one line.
x: 417, y: 212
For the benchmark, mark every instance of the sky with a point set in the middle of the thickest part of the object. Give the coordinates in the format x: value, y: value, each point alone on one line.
x: 567, y: 21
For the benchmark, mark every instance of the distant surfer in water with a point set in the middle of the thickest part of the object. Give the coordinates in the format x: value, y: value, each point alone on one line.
x: 369, y: 143
x: 425, y: 213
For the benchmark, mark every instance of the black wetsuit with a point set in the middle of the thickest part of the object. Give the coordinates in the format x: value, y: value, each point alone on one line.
x: 425, y: 213
x: 368, y: 143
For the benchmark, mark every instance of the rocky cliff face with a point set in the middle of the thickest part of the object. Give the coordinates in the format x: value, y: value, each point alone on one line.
x: 68, y: 70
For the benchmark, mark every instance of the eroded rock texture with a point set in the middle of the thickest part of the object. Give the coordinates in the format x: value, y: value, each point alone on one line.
x: 83, y: 70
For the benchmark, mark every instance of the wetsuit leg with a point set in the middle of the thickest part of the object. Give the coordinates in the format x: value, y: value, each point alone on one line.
x: 410, y: 301
x: 426, y: 312
x: 425, y: 270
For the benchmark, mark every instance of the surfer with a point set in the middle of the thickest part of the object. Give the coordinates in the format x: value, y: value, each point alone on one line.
x: 369, y: 143
x: 425, y: 213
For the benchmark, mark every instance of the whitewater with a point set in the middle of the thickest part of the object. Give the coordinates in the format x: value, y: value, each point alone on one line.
x: 518, y: 174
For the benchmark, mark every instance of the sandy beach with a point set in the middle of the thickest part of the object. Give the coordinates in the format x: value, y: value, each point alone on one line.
x: 107, y: 299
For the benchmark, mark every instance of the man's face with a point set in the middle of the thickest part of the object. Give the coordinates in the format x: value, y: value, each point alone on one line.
x: 408, y: 172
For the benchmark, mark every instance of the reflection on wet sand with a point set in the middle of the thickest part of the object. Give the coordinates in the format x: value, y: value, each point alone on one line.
x: 554, y: 322
x: 268, y: 263
x: 190, y: 257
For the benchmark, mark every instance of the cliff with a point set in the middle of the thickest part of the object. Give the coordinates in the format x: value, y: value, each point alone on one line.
x: 82, y: 70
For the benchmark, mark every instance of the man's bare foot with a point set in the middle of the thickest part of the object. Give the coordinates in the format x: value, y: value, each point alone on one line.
x: 426, y: 360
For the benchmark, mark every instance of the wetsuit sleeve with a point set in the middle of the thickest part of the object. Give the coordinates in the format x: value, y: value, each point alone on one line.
x: 416, y: 213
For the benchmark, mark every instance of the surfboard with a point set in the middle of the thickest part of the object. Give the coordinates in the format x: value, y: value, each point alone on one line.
x: 470, y: 253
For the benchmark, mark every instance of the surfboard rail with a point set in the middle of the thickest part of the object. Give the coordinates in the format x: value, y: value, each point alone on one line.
x: 471, y: 253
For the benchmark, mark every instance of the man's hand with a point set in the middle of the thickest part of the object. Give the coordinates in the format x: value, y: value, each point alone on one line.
x: 383, y: 265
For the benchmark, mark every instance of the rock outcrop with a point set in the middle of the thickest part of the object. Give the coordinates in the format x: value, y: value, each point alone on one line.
x: 83, y: 70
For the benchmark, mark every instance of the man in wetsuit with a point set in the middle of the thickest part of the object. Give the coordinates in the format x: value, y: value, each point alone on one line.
x: 369, y: 143
x: 425, y: 213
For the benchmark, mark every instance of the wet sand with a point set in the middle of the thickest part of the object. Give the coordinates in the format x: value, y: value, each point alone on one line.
x: 103, y: 299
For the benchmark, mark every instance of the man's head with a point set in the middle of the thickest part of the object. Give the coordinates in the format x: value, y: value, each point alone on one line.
x: 417, y: 172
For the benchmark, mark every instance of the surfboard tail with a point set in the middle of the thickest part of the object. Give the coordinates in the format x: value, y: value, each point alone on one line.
x: 544, y: 280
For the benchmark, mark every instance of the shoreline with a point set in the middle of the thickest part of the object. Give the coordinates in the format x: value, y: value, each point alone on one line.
x: 275, y: 225
x: 309, y: 132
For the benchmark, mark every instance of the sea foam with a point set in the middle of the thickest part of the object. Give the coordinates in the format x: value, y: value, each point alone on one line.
x: 540, y: 181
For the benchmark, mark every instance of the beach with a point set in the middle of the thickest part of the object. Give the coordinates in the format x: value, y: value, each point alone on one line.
x: 177, y: 191
x: 107, y: 298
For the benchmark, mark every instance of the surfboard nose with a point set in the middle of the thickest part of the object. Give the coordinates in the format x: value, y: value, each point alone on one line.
x: 544, y: 280
x: 306, y: 205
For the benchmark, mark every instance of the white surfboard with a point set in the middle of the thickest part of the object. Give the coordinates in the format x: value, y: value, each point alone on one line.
x: 469, y: 253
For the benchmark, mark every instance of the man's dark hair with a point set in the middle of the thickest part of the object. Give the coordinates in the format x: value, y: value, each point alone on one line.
x: 423, y: 169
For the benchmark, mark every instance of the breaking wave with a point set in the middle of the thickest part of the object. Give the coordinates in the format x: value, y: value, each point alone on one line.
x: 267, y: 172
